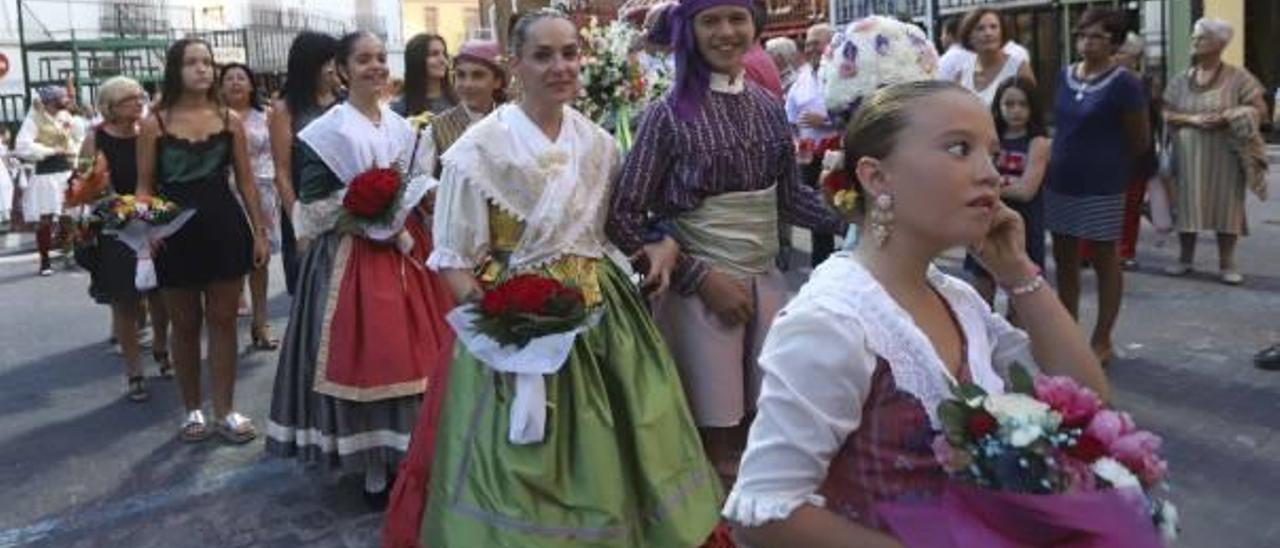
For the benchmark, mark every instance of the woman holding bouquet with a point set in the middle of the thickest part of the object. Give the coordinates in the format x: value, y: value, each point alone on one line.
x: 715, y: 159
x: 480, y: 79
x: 112, y: 150
x: 186, y: 151
x: 617, y: 461
x: 857, y: 363
x: 366, y: 335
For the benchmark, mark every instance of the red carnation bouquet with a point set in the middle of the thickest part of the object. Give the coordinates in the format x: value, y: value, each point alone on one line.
x: 372, y: 198
x: 529, y: 306
x: 1045, y: 464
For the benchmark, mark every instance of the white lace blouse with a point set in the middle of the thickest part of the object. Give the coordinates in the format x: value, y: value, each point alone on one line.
x: 557, y: 188
x: 818, y: 362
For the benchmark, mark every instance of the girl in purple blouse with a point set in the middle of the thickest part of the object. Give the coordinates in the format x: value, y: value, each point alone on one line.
x: 714, y: 164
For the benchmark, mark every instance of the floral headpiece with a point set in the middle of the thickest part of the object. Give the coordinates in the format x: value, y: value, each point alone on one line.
x: 872, y: 53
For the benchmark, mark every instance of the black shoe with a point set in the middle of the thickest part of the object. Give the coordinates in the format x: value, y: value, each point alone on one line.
x: 1268, y: 359
x: 377, y: 501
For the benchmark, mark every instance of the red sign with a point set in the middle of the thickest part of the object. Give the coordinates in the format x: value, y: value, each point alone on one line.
x: 4, y: 65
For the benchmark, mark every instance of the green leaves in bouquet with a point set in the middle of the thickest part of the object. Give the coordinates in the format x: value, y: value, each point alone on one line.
x: 954, y: 413
x: 954, y: 416
x: 1021, y: 381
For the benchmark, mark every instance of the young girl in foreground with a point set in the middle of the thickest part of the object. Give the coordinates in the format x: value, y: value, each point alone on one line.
x: 856, y: 364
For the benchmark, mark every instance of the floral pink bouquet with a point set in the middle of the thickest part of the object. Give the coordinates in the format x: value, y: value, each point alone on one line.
x: 1045, y: 464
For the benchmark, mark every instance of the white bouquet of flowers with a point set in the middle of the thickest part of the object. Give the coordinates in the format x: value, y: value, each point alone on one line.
x: 871, y: 53
x: 612, y: 78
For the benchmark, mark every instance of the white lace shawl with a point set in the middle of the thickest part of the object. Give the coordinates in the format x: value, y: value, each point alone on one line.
x: 818, y: 362
x: 557, y: 189
x: 349, y: 143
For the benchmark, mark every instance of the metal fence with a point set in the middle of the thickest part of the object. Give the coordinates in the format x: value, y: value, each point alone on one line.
x: 80, y: 43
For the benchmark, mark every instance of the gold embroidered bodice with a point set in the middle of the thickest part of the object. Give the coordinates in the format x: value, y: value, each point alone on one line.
x: 504, y: 235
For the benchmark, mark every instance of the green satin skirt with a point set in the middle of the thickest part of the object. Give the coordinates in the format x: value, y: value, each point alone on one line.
x: 621, y: 464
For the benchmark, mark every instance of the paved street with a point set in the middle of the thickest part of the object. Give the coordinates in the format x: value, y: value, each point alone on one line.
x: 81, y: 467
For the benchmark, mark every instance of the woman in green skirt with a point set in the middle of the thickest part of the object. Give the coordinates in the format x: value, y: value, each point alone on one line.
x: 617, y: 461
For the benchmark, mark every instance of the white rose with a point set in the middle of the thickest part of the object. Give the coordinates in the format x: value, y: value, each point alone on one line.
x: 1115, y: 473
x: 1024, y: 435
x: 1018, y: 408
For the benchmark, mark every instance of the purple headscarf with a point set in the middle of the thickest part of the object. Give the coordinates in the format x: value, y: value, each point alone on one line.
x: 693, y: 74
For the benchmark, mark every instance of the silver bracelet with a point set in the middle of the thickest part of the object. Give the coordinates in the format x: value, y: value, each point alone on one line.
x: 1028, y: 287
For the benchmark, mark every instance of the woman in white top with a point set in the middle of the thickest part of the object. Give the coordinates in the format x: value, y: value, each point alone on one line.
x: 240, y: 93
x: 6, y: 179
x: 856, y: 365
x: 983, y: 32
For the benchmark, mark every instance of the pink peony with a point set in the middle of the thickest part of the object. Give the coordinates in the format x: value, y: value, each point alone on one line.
x: 1108, y: 426
x: 1075, y: 403
x: 1139, y: 452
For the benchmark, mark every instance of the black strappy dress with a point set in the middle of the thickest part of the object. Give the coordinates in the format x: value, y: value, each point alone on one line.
x: 217, y: 243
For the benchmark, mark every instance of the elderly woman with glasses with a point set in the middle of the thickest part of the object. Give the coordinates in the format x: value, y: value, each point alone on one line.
x: 111, y: 150
x: 1213, y: 110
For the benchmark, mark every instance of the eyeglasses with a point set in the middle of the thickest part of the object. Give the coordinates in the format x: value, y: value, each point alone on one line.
x: 1092, y: 36
x: 139, y: 99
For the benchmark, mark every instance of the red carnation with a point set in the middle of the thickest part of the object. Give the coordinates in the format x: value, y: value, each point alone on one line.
x: 493, y: 303
x: 529, y: 306
x: 1087, y: 449
x: 371, y: 193
x: 836, y: 180
x: 523, y: 294
x: 981, y: 424
x: 529, y: 295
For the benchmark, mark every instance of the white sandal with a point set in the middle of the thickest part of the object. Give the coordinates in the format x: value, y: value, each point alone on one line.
x: 194, y: 427
x: 237, y: 428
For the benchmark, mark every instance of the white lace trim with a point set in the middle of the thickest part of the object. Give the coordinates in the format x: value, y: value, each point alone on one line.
x: 442, y: 259
x: 892, y: 334
x: 562, y: 216
x: 753, y: 510
x: 312, y: 219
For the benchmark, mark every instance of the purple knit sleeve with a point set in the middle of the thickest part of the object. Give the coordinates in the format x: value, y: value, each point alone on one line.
x: 798, y: 203
x: 644, y: 173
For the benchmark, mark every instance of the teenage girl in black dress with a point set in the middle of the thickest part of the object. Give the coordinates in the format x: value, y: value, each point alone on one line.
x: 185, y: 153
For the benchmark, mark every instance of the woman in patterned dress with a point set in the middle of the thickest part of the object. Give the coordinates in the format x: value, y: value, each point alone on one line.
x: 1203, y: 107
x: 857, y: 363
x: 366, y: 332
x: 240, y: 93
